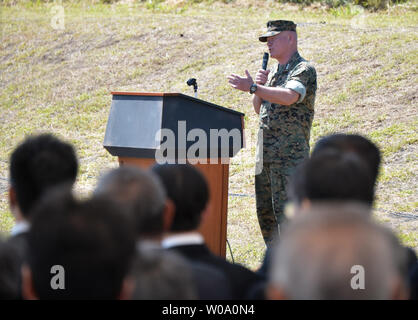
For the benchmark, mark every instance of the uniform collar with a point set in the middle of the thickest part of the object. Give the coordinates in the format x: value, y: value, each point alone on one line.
x: 294, y: 59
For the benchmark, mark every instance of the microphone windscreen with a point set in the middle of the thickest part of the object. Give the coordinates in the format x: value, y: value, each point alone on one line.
x: 265, y: 60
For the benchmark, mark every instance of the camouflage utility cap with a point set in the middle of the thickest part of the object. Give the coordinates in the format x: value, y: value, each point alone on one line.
x: 275, y: 27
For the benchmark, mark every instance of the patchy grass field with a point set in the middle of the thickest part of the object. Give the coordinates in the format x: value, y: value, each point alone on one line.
x: 60, y: 81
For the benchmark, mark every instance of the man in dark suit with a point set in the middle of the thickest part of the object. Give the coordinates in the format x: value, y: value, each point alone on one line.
x: 141, y: 194
x: 370, y: 154
x: 342, y: 168
x: 78, y: 249
x: 188, y: 190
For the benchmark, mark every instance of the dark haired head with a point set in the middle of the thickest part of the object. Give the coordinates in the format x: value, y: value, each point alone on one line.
x: 39, y: 163
x: 363, y: 147
x: 90, y: 239
x: 188, y: 189
x: 332, y: 176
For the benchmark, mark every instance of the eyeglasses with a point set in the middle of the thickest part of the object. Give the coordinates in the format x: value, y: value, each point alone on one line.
x: 272, y: 38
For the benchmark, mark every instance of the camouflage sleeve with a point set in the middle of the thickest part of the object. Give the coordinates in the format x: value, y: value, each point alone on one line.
x: 301, y: 79
x: 298, y: 87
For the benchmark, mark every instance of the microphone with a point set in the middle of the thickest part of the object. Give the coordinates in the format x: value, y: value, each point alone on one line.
x: 192, y: 82
x: 265, y: 60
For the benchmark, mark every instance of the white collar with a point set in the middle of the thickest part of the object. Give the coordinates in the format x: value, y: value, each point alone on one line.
x: 19, y: 227
x: 182, y: 239
x: 147, y: 245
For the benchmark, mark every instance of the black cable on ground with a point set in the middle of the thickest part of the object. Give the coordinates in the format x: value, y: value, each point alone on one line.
x: 230, y: 251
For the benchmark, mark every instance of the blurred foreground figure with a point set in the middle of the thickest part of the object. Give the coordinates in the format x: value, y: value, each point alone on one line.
x: 330, y: 175
x: 337, y: 252
x: 188, y: 190
x: 367, y: 151
x: 158, y: 274
x: 354, y: 143
x: 38, y: 164
x: 142, y: 196
x: 163, y: 275
x: 78, y: 250
x: 333, y: 176
x: 9, y: 272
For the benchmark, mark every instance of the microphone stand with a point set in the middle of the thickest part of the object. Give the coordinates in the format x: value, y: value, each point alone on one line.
x: 195, y: 90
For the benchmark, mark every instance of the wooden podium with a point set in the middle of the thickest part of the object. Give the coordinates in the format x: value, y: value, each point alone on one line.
x: 145, y: 128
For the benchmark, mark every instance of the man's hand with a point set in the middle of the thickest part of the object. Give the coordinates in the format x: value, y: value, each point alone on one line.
x: 262, y: 76
x: 241, y: 83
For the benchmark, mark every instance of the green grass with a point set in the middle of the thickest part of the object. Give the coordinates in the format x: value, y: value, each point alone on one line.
x: 60, y: 81
x: 395, y: 137
x: 408, y: 238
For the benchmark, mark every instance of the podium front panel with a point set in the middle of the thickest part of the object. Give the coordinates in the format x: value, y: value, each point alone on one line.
x: 134, y: 122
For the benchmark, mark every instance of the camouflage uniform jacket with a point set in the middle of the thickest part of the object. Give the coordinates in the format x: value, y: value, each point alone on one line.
x: 286, y: 129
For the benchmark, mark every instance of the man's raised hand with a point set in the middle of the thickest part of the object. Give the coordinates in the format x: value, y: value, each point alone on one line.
x: 241, y: 83
x: 262, y: 76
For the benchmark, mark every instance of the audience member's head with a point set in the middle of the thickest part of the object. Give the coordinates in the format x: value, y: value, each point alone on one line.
x: 89, y: 242
x: 141, y: 193
x: 162, y: 275
x: 9, y: 272
x: 337, y: 252
x: 332, y: 176
x: 363, y: 147
x: 39, y: 163
x: 188, y: 190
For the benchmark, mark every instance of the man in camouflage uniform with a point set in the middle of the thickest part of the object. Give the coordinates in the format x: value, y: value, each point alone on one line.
x: 284, y: 97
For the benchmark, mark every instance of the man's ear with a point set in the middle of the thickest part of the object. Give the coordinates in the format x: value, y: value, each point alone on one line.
x: 14, y: 205
x: 28, y: 290
x: 205, y: 215
x: 12, y: 197
x: 128, y: 287
x: 305, y: 205
x: 275, y: 293
x: 292, y: 37
x: 168, y: 215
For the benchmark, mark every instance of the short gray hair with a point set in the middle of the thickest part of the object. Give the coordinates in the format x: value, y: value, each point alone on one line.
x: 162, y: 275
x: 140, y: 193
x: 317, y: 251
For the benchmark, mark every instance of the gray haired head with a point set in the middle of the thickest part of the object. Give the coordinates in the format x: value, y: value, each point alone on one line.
x: 319, y: 252
x: 140, y: 193
x: 162, y: 275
